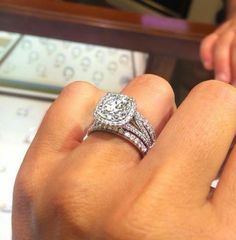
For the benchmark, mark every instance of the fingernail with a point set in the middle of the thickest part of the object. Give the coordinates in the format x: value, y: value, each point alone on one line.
x: 222, y: 77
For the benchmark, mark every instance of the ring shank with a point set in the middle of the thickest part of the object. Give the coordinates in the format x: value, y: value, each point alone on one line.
x: 140, y: 134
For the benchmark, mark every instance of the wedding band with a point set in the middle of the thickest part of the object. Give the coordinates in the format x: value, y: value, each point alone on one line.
x: 117, y: 113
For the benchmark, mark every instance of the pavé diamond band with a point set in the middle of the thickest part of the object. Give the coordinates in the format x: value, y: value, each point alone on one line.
x: 117, y: 113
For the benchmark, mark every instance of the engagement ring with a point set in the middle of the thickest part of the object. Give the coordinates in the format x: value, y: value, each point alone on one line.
x: 117, y: 113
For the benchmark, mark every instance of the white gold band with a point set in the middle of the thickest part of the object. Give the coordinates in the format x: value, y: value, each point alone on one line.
x: 132, y: 138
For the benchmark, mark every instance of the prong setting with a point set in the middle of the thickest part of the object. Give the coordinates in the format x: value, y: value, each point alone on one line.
x: 117, y: 113
x: 115, y: 109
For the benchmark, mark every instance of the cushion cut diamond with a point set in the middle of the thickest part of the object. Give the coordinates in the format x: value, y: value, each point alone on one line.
x: 115, y: 109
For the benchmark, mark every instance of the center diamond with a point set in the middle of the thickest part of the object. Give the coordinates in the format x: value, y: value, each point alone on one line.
x: 115, y: 109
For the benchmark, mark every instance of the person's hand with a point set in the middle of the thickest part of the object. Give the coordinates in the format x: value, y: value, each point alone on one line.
x: 218, y: 52
x: 100, y: 188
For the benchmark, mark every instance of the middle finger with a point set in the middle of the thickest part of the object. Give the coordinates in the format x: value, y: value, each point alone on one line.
x: 194, y: 144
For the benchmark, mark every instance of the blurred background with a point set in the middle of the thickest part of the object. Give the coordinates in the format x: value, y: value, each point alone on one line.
x: 193, y: 10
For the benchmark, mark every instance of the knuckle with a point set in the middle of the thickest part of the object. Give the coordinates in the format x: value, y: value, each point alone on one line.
x: 79, y: 87
x: 215, y: 90
x: 207, y: 86
x: 156, y: 84
x: 84, y: 90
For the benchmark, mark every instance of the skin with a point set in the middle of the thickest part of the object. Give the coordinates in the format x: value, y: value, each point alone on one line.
x: 218, y: 50
x: 100, y: 188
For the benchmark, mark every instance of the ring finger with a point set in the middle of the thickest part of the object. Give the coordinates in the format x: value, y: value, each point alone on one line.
x: 155, y: 100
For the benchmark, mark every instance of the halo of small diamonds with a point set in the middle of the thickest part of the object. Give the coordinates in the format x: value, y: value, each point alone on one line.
x: 117, y: 114
x: 115, y: 109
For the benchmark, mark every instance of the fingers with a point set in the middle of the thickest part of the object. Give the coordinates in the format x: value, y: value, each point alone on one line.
x: 193, y: 145
x: 155, y: 100
x: 65, y: 123
x: 100, y: 167
x: 222, y: 57
x: 63, y: 127
x: 206, y: 50
x: 217, y: 52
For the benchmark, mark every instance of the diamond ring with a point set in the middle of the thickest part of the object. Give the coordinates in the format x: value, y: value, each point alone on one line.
x: 117, y: 113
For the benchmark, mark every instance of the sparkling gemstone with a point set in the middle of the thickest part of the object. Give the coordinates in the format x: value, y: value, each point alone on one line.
x: 127, y: 134
x: 115, y: 109
x: 121, y: 130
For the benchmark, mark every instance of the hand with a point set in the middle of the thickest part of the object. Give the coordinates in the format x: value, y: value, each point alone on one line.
x: 218, y: 52
x: 101, y: 189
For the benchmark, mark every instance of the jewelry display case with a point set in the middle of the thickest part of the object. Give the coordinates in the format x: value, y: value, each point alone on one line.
x: 172, y: 45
